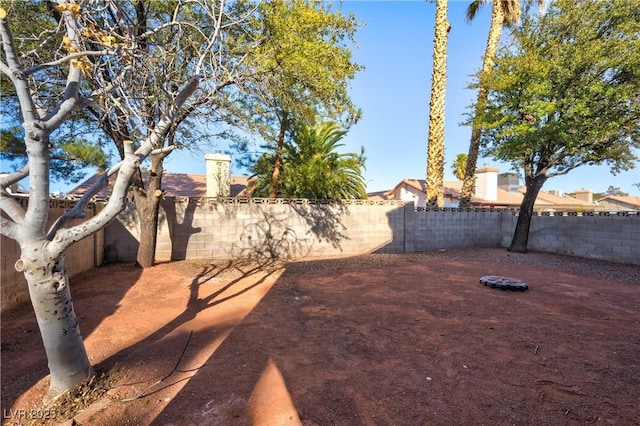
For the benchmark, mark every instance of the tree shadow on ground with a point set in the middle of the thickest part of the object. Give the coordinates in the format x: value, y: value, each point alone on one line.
x: 173, y: 351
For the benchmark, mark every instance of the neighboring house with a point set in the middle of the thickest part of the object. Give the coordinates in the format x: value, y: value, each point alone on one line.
x: 492, y: 190
x: 615, y: 202
x: 173, y: 185
x: 217, y: 182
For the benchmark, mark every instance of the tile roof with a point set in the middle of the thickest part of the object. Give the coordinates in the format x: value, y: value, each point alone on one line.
x: 174, y: 185
x: 631, y: 201
x: 505, y: 198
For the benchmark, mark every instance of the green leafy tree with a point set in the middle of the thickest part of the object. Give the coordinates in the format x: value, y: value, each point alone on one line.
x: 565, y: 94
x: 308, y: 69
x: 615, y: 191
x: 503, y: 13
x: 459, y: 166
x: 435, y: 143
x: 312, y: 168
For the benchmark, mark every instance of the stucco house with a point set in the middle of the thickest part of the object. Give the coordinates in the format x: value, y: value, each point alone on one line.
x: 619, y: 203
x: 217, y: 182
x: 492, y: 190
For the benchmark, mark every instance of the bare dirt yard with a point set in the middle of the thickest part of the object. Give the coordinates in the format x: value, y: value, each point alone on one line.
x: 410, y: 339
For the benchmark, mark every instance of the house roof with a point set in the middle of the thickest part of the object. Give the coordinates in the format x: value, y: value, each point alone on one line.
x: 504, y: 198
x: 173, y: 184
x: 633, y: 202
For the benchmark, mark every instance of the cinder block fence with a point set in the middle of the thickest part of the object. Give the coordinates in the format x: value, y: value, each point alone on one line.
x: 256, y: 228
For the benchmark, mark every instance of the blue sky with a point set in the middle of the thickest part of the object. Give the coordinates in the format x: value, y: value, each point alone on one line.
x: 395, y: 47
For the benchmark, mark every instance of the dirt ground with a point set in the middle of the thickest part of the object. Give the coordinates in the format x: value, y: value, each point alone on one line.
x: 371, y: 340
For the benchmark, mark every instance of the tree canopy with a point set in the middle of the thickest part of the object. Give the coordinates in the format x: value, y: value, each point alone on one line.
x: 303, y: 71
x: 311, y: 166
x: 73, y: 147
x: 564, y: 93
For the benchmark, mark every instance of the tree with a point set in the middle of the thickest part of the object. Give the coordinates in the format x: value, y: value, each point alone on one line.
x: 309, y: 67
x: 176, y: 38
x: 84, y: 49
x: 503, y: 12
x: 615, y: 191
x: 311, y: 168
x: 558, y: 98
x: 285, y: 57
x: 459, y: 165
x: 72, y: 149
x: 435, y: 144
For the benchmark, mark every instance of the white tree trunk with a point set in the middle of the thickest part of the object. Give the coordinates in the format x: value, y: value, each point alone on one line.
x: 43, y: 251
x: 51, y: 299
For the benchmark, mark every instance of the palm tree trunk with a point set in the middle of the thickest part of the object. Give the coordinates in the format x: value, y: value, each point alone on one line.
x: 495, y: 30
x: 435, y: 147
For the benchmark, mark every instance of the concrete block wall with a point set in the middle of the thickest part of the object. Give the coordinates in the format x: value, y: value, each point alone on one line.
x: 608, y: 237
x: 223, y: 229
x: 448, y: 229
x: 83, y: 255
x: 191, y: 228
x: 210, y: 228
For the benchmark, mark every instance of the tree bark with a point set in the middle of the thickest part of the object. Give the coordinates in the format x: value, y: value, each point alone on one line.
x: 48, y: 283
x: 277, y: 162
x: 148, y: 207
x: 495, y: 30
x: 435, y: 145
x: 521, y: 234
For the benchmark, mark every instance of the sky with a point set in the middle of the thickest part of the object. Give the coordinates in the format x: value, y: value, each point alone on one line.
x: 395, y: 46
x: 396, y: 49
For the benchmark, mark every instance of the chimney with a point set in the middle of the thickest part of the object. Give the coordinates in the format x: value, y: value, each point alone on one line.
x: 584, y: 195
x: 487, y: 183
x: 218, y: 169
x: 509, y: 181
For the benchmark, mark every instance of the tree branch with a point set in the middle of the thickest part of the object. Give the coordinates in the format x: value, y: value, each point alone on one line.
x: 8, y: 228
x: 67, y: 58
x: 6, y: 181
x: 8, y: 43
x: 64, y: 237
x: 11, y: 207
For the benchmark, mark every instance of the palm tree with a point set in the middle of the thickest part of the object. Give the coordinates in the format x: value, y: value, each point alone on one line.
x: 435, y: 146
x: 311, y: 168
x: 459, y: 166
x: 503, y: 13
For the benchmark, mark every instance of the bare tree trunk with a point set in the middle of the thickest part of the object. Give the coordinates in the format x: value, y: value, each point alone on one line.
x: 51, y: 299
x: 521, y: 234
x: 148, y: 207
